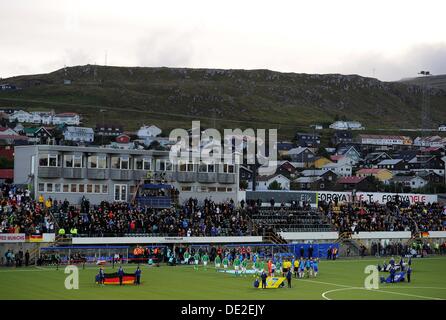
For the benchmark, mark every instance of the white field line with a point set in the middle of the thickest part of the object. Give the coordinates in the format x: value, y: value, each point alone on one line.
x: 324, y: 294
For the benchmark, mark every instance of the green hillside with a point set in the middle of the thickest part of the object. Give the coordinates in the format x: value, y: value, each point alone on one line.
x: 172, y: 97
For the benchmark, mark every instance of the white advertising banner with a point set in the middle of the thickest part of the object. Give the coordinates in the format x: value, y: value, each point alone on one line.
x: 380, y: 197
x: 382, y: 235
x: 142, y: 240
x: 12, y: 237
x: 309, y: 235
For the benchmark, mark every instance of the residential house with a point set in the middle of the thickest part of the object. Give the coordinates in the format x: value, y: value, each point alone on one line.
x: 111, y: 130
x: 341, y: 169
x: 413, y: 182
x: 303, y: 156
x: 78, y: 134
x: 382, y: 175
x: 429, y: 163
x: 372, y: 159
x: 39, y: 135
x: 313, y: 179
x: 68, y: 118
x: 431, y: 141
x: 346, y: 125
x: 284, y: 147
x: 320, y: 162
x: 263, y: 182
x: 405, y: 155
x: 384, y: 140
x: 8, y: 131
x: 20, y: 116
x: 148, y: 132
x: 344, y: 136
x: 442, y: 127
x: 394, y: 165
x: 310, y: 140
x: 355, y: 183
x: 431, y: 177
x: 350, y: 154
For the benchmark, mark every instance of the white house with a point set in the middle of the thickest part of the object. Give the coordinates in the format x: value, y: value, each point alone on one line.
x: 346, y: 125
x: 20, y: 116
x: 414, y: 182
x: 431, y: 141
x: 263, y: 182
x: 442, y: 127
x: 384, y: 140
x: 79, y: 134
x: 68, y: 118
x: 148, y: 131
x: 341, y: 169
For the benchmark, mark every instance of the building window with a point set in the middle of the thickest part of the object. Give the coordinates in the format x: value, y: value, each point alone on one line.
x: 143, y: 164
x: 97, y: 188
x: 104, y: 188
x: 66, y: 188
x: 187, y: 188
x: 228, y: 168
x: 81, y: 188
x: 184, y: 166
x: 57, y: 187
x: 203, y: 167
x: 120, y: 192
x: 120, y: 163
x: 49, y: 187
x: 48, y: 160
x: 73, y: 187
x: 97, y: 162
x: 89, y: 188
x: 163, y: 165
x: 41, y: 187
x: 73, y: 161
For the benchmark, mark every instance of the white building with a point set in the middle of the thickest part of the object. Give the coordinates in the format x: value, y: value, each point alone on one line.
x: 20, y: 116
x: 263, y: 182
x: 384, y: 140
x: 148, y: 131
x: 68, y: 118
x: 341, y: 169
x: 414, y: 182
x: 442, y: 127
x: 346, y: 125
x: 432, y: 141
x: 78, y: 134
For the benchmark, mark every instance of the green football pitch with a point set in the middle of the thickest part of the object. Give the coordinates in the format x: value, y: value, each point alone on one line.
x: 341, y: 279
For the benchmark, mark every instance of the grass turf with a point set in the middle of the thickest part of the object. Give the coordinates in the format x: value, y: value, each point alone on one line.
x: 341, y: 279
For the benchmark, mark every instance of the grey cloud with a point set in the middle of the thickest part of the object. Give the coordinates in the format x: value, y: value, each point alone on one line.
x: 407, y: 64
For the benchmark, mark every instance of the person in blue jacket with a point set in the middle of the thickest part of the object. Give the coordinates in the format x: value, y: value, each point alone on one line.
x: 138, y: 276
x: 120, y: 275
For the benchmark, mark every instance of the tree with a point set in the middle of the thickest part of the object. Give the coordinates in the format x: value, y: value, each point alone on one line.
x: 243, y: 184
x: 275, y: 186
x: 322, y: 152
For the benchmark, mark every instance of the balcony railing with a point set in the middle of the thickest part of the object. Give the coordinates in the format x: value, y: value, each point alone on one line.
x: 73, y: 173
x: 186, y: 176
x: 97, y: 174
x: 49, y: 172
x: 226, y: 177
x: 120, y: 174
x: 207, y: 177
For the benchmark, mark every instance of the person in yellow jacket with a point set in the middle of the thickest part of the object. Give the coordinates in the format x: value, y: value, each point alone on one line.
x: 73, y: 231
x: 48, y: 203
x: 41, y: 199
x: 61, y: 232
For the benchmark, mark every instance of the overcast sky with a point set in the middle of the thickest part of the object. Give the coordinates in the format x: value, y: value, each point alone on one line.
x: 389, y: 39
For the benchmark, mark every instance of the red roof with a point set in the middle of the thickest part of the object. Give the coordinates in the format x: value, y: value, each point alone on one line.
x: 369, y: 171
x: 14, y: 137
x: 6, y: 173
x: 350, y: 180
x: 336, y: 157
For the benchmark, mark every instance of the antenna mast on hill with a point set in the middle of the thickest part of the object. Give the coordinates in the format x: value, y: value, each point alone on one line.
x: 425, y: 102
